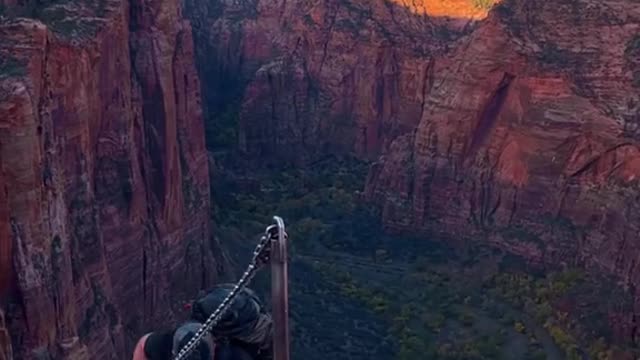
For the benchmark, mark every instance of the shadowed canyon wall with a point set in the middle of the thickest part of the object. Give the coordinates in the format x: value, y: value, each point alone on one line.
x: 104, y: 188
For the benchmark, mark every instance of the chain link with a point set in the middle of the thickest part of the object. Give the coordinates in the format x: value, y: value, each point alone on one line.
x: 260, y: 257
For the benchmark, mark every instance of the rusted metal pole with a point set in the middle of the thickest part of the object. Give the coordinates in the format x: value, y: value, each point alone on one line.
x: 280, y: 293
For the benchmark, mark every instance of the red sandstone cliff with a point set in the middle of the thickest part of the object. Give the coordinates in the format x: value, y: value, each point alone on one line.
x: 520, y: 129
x: 528, y: 138
x: 309, y: 77
x: 104, y: 190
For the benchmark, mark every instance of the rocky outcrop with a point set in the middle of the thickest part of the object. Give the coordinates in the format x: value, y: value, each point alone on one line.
x: 295, y: 80
x: 104, y: 190
x: 529, y: 139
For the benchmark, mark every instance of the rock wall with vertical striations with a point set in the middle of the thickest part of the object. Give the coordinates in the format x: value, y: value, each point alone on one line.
x: 528, y: 139
x: 297, y: 80
x: 104, y: 189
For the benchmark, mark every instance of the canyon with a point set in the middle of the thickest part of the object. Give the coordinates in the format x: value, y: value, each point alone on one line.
x: 514, y: 125
x: 104, y: 220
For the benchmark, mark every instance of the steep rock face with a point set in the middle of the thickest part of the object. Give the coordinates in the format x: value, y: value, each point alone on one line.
x: 529, y: 139
x: 296, y: 80
x: 520, y: 129
x: 104, y: 184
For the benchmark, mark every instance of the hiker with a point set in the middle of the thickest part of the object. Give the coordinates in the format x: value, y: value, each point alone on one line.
x: 165, y: 345
x: 244, y: 332
x: 246, y: 324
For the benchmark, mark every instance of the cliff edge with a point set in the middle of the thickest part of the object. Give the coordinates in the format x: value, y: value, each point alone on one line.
x: 104, y: 189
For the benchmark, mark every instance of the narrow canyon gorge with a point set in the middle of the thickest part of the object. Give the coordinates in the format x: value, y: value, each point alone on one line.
x: 512, y: 123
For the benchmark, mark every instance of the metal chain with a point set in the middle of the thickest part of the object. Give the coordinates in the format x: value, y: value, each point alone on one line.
x: 259, y: 255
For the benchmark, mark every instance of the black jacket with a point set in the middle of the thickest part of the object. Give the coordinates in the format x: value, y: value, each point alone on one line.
x: 158, y: 345
x: 238, y: 322
x: 240, y: 318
